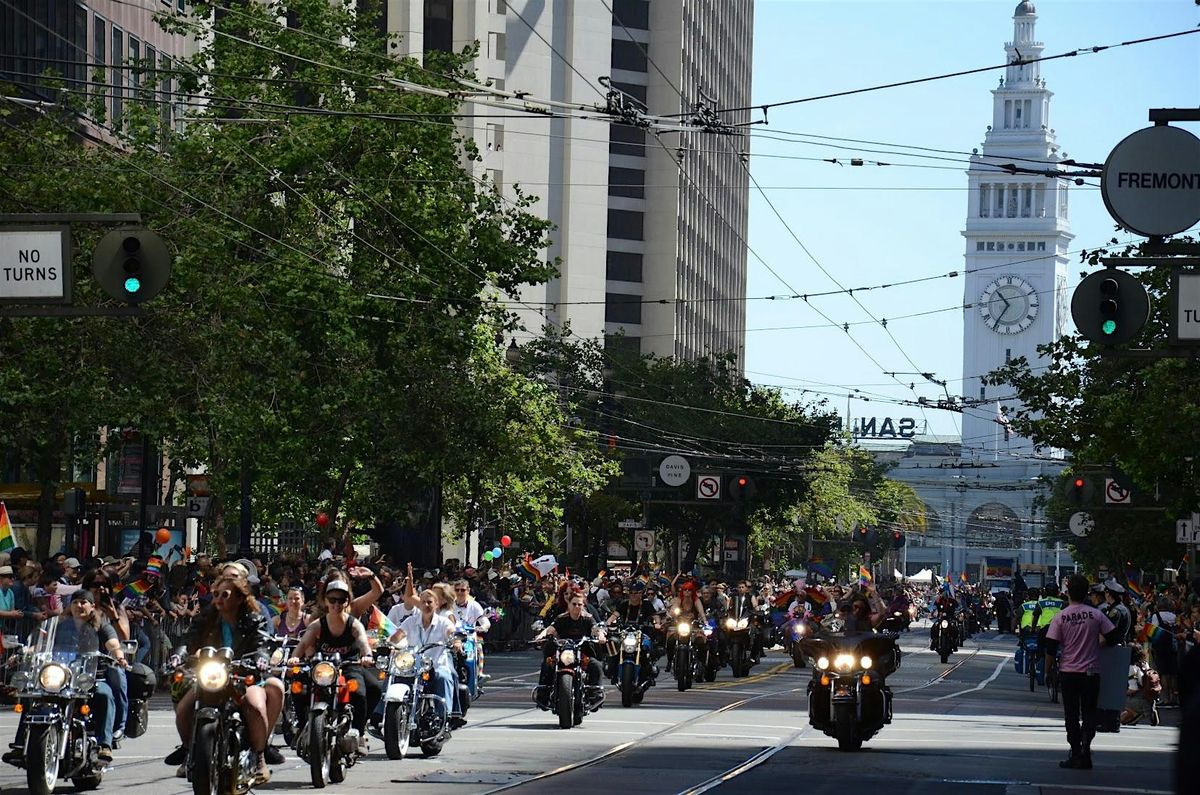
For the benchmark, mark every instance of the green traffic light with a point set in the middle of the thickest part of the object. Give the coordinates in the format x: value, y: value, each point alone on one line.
x: 132, y: 285
x: 1109, y: 327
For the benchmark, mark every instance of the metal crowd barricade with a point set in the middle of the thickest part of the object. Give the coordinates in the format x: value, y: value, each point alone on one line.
x: 16, y: 632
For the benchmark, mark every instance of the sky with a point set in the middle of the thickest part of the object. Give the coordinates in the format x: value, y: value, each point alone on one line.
x: 876, y: 225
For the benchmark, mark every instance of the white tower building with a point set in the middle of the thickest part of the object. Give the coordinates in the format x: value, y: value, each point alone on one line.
x: 1017, y: 237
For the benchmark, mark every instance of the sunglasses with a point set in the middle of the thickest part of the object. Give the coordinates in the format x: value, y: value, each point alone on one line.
x: 460, y: 590
x: 225, y: 594
x: 336, y: 600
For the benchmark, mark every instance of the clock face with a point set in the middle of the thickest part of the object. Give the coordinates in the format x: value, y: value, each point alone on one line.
x: 1009, y: 305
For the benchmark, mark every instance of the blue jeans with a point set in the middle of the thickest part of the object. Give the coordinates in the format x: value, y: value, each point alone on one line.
x: 103, y: 711
x: 443, y: 682
x: 143, y: 651
x: 117, y: 683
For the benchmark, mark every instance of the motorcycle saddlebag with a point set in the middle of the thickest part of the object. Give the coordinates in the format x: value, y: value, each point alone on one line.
x: 141, y: 682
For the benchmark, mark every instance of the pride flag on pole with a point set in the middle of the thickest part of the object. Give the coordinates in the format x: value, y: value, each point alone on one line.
x: 7, y: 542
x: 864, y: 575
x: 1133, y: 583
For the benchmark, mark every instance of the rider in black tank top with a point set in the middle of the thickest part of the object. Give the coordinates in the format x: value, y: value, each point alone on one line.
x: 344, y: 644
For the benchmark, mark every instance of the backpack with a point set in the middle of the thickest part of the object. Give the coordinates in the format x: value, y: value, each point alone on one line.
x: 1151, y: 687
x: 1164, y: 643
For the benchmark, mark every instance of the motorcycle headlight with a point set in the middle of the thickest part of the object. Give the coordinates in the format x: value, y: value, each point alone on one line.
x: 403, y: 663
x: 212, y: 675
x: 865, y: 662
x: 684, y: 629
x: 897, y: 614
x: 843, y: 662
x: 674, y: 611
x: 823, y: 663
x: 945, y: 623
x: 630, y: 642
x: 323, y: 674
x: 277, y: 657
x: 798, y: 630
x: 567, y: 657
x: 743, y: 623
x: 53, y: 677
x: 730, y: 623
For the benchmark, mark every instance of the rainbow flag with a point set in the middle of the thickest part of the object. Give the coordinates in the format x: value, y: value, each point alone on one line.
x: 7, y: 543
x: 135, y: 589
x: 380, y: 624
x: 818, y: 566
x: 784, y: 599
x: 1150, y: 633
x: 275, y: 609
x: 819, y: 600
x: 864, y: 574
x: 963, y: 576
x: 528, y: 570
x: 1133, y: 583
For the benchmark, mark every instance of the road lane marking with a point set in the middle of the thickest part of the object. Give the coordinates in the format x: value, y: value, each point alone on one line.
x: 999, y: 667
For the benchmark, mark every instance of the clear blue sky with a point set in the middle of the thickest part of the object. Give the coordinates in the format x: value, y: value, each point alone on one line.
x: 871, y: 225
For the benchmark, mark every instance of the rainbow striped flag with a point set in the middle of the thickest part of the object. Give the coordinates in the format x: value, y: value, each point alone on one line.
x: 135, y: 589
x: 783, y: 599
x: 818, y: 566
x: 1150, y: 633
x: 963, y: 576
x: 380, y: 624
x: 528, y: 570
x: 7, y: 542
x: 1133, y: 583
x: 864, y: 574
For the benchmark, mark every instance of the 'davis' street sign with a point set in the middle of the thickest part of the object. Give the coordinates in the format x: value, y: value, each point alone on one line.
x: 1151, y: 181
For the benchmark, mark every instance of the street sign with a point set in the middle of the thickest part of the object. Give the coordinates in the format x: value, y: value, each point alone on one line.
x: 1116, y: 494
x: 629, y: 524
x: 643, y: 541
x: 1081, y: 523
x: 708, y: 487
x: 197, y: 507
x: 1186, y: 532
x: 617, y: 550
x: 1151, y: 181
x: 198, y: 485
x: 35, y: 265
x: 674, y: 470
x: 1185, y: 307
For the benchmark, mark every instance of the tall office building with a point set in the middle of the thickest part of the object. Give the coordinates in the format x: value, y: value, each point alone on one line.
x: 650, y: 229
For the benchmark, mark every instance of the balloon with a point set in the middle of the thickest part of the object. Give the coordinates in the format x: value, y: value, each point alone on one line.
x: 505, y: 541
x: 322, y: 519
x: 487, y: 555
x: 163, y: 536
x: 497, y: 552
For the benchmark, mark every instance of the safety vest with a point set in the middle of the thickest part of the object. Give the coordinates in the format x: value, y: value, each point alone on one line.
x: 1050, y: 608
x: 1027, y: 609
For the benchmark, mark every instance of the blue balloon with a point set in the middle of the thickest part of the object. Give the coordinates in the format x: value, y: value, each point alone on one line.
x: 497, y: 552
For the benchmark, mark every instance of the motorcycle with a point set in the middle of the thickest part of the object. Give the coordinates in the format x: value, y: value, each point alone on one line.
x: 738, y: 631
x: 54, y: 684
x: 794, y: 633
x: 712, y: 650
x: 288, y: 724
x: 220, y: 761
x: 945, y: 643
x: 140, y: 683
x: 688, y: 665
x: 568, y: 691
x: 412, y: 715
x: 469, y: 663
x: 896, y: 622
x: 635, y: 668
x: 847, y: 697
x: 328, y: 740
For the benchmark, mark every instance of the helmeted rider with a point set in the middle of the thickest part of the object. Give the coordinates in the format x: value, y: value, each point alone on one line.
x: 636, y: 610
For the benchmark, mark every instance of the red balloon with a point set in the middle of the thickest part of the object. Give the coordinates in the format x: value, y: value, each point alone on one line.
x: 163, y: 536
x: 505, y: 541
x: 322, y: 519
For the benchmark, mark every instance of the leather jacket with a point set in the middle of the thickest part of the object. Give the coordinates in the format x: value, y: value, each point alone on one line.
x: 251, y: 635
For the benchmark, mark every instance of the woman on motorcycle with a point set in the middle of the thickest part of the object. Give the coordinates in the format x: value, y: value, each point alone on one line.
x: 292, y: 622
x: 233, y: 620
x: 429, y: 626
x: 339, y: 632
x: 685, y: 607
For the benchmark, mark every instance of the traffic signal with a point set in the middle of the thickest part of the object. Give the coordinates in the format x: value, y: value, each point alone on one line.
x: 1110, y: 307
x: 131, y: 265
x: 864, y: 536
x: 741, y: 488
x: 1078, y: 490
x: 898, y: 539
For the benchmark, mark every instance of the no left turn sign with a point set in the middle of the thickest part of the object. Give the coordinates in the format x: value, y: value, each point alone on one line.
x: 708, y: 487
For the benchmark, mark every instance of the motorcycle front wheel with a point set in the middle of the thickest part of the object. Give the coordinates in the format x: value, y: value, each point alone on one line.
x: 566, y: 702
x: 628, y: 685
x: 396, y: 730
x: 797, y: 656
x: 318, y: 754
x: 844, y: 728
x: 683, y: 669
x: 735, y: 660
x: 41, y: 759
x: 206, y: 768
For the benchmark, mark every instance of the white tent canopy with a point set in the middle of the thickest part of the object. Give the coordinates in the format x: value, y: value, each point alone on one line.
x: 924, y: 575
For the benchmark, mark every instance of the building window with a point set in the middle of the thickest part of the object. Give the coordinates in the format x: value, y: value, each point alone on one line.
x: 624, y: 266
x: 621, y: 345
x: 630, y: 182
x: 1041, y: 245
x: 1028, y: 111
x: 626, y: 224
x: 497, y: 83
x: 1010, y: 209
x: 496, y: 46
x: 439, y: 25
x: 495, y: 137
x: 628, y: 55
x: 625, y: 140
x: 985, y: 199
x: 1021, y: 246
x: 999, y: 201
x: 1008, y: 114
x: 1018, y: 113
x: 622, y: 308
x: 78, y: 53
x: 979, y: 245
x: 496, y: 178
x: 991, y: 246
x: 99, y: 53
x: 135, y: 57
x: 118, y: 77
x: 1027, y: 201
x: 632, y: 13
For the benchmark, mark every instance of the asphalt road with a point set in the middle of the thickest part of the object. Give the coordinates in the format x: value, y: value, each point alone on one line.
x: 971, y: 726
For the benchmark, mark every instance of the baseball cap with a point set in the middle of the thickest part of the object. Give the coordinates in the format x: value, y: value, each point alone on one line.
x: 71, y: 563
x: 6, y: 571
x: 337, y: 585
x: 83, y: 596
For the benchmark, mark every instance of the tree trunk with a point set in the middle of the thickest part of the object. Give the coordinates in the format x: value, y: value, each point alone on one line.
x: 46, y: 506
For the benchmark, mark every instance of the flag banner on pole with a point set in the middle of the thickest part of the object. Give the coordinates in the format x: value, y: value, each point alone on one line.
x: 998, y: 568
x: 818, y: 566
x: 7, y: 542
x: 864, y: 575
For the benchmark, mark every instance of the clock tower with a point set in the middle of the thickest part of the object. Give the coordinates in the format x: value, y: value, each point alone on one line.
x: 1017, y: 237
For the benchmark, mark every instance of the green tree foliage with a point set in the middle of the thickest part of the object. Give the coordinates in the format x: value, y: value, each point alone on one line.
x: 1107, y: 413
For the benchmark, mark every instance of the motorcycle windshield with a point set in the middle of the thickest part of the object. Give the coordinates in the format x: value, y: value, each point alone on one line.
x: 62, y: 655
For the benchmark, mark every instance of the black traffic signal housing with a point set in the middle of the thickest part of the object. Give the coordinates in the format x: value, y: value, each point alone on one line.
x: 898, y: 539
x: 131, y: 265
x: 741, y: 488
x: 864, y: 536
x: 1078, y: 490
x: 1110, y: 307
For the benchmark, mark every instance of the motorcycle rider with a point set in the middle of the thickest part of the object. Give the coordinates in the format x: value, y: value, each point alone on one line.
x: 748, y: 602
x: 338, y: 632
x: 636, y: 610
x: 424, y: 627
x: 944, y: 607
x: 467, y: 612
x: 685, y: 607
x: 574, y: 624
x: 234, y: 619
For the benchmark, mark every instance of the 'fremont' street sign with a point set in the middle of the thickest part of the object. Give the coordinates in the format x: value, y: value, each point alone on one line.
x: 35, y: 265
x: 1151, y: 181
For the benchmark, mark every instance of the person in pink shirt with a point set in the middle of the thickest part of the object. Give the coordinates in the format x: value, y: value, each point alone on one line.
x: 1078, y: 632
